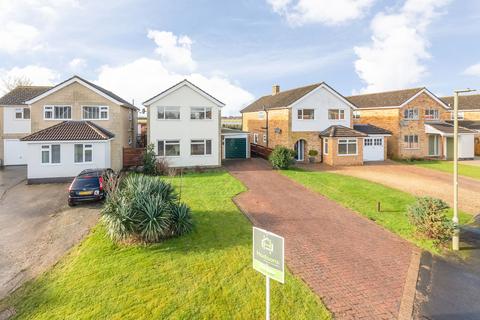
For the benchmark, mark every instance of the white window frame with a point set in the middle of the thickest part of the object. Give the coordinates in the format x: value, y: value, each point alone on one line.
x: 255, y: 138
x: 169, y: 142
x: 435, y: 116
x: 410, y: 114
x: 85, y: 147
x: 410, y: 144
x: 100, y: 110
x: 325, y: 145
x: 460, y: 114
x: 48, y: 148
x: 341, y: 114
x: 21, y: 111
x: 205, y: 109
x: 378, y: 142
x: 356, y: 114
x: 347, y: 141
x: 199, y: 142
x: 301, y: 114
x: 168, y: 109
x: 51, y: 108
x: 368, y: 142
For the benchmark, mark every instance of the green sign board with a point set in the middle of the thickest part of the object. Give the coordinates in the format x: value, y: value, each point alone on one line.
x: 268, y: 254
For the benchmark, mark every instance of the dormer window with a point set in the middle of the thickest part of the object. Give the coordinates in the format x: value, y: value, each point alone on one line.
x: 410, y: 114
x: 306, y: 114
x: 336, y: 114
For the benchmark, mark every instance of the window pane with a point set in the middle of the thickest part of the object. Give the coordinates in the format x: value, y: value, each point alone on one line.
x: 208, y: 113
x: 352, y: 148
x: 160, y: 148
x: 18, y: 114
x: 78, y: 153
x: 341, y: 114
x: 333, y: 114
x: 208, y: 147
x: 299, y: 114
x: 45, y: 156
x: 55, y: 153
x: 172, y: 149
x: 342, y: 148
x: 172, y: 113
x: 88, y: 155
x: 104, y: 113
x: 197, y: 148
x: 161, y: 113
x: 308, y: 113
x: 26, y: 113
x: 197, y: 113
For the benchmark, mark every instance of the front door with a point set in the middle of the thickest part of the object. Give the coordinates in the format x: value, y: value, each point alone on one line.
x: 433, y: 143
x: 449, y: 148
x: 300, y: 150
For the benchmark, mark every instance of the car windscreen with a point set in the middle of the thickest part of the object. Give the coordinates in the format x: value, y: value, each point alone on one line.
x: 86, y: 183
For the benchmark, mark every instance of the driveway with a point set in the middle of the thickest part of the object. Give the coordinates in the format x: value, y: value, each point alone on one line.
x: 10, y: 176
x: 37, y: 228
x: 418, y: 181
x: 359, y: 269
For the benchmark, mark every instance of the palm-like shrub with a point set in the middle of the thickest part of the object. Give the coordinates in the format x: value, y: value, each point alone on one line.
x: 281, y: 157
x: 150, y: 160
x: 145, y: 208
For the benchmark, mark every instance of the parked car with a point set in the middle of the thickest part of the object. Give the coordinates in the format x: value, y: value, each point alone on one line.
x: 87, y: 186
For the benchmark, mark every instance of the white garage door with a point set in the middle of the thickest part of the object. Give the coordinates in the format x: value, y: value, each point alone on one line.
x: 15, y: 152
x: 373, y: 149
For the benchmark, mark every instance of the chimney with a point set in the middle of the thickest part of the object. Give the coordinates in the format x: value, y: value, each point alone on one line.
x: 275, y: 89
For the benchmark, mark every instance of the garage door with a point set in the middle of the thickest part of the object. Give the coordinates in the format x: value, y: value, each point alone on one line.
x: 373, y: 149
x: 15, y: 152
x: 235, y: 148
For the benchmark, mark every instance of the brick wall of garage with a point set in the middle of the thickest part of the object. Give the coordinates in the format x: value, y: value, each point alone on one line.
x: 334, y: 159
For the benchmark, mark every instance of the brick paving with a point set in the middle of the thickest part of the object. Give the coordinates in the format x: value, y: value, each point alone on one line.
x: 358, y: 268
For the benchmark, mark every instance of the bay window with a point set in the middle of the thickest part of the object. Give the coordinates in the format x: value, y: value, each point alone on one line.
x: 168, y: 148
x: 347, y: 147
x: 200, y: 147
x: 57, y: 112
x: 83, y: 153
x: 200, y: 113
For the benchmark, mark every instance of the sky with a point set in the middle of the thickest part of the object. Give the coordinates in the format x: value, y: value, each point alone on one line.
x: 236, y: 50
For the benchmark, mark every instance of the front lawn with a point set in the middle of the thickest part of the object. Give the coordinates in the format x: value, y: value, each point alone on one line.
x: 447, y: 166
x: 362, y: 196
x: 206, y: 274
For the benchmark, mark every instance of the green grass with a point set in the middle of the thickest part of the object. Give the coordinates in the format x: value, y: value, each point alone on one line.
x: 466, y: 170
x: 362, y: 196
x: 204, y: 275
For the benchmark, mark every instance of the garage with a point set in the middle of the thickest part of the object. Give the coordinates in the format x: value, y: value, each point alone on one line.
x: 375, y: 144
x: 235, y: 144
x: 14, y: 152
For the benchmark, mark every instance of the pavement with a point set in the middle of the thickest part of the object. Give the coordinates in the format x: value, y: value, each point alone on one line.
x: 38, y: 227
x: 357, y: 268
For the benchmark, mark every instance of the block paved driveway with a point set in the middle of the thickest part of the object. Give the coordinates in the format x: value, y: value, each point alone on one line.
x: 358, y: 268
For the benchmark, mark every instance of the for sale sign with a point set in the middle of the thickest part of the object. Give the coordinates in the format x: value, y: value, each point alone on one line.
x: 268, y: 254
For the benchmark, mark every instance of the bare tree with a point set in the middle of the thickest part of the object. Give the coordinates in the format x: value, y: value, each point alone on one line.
x: 11, y: 82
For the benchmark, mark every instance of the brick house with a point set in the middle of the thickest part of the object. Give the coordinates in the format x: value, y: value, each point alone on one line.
x: 313, y: 117
x: 416, y: 119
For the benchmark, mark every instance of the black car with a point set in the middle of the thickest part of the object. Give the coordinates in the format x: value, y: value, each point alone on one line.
x: 87, y: 186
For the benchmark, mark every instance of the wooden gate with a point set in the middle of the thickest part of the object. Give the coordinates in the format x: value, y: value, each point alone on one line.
x: 260, y: 151
x: 477, y: 146
x: 133, y: 157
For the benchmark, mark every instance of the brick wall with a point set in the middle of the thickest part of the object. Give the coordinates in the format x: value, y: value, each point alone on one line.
x: 334, y: 159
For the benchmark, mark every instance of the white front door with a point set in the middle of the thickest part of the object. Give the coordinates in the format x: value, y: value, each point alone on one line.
x: 15, y: 152
x: 373, y: 149
x: 300, y: 150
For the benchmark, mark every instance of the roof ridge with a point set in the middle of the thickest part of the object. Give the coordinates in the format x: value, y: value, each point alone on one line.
x: 97, y: 130
x: 292, y: 89
x: 389, y: 91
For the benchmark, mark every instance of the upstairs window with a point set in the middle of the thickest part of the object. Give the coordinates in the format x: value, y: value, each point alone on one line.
x: 431, y: 114
x: 306, y: 114
x: 22, y: 113
x: 95, y: 112
x: 255, y: 138
x: 356, y: 114
x: 410, y: 114
x: 200, y: 113
x: 411, y: 141
x: 460, y: 115
x: 50, y: 154
x: 168, y: 113
x: 200, y: 147
x: 336, y: 114
x: 57, y: 112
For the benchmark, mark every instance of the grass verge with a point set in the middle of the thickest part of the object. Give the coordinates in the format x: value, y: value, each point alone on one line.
x: 362, y: 196
x: 466, y: 170
x: 204, y: 275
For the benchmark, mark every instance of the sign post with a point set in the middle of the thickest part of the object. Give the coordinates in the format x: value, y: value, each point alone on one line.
x: 268, y: 259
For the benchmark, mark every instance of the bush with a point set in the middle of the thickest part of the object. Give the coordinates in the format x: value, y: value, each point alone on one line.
x: 428, y: 215
x: 312, y: 153
x: 145, y: 208
x: 281, y: 157
x: 150, y: 160
x: 162, y: 167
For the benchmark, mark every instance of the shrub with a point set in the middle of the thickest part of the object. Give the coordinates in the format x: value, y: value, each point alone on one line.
x: 429, y: 217
x: 282, y: 157
x: 145, y: 208
x: 162, y: 167
x: 150, y: 160
x: 312, y: 153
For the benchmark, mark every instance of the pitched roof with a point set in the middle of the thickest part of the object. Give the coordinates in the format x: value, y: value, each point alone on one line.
x: 71, y: 131
x: 341, y: 131
x: 472, y: 125
x: 281, y: 99
x: 447, y: 127
x: 465, y: 102
x: 93, y: 86
x: 20, y: 94
x: 370, y: 129
x: 383, y: 99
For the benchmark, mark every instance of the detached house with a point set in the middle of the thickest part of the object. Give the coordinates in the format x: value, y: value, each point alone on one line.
x: 415, y: 117
x: 314, y: 117
x: 65, y: 129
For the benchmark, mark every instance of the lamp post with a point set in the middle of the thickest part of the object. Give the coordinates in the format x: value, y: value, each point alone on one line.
x: 456, y: 231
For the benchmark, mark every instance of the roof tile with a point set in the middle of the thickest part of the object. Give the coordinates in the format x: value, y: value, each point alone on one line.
x: 71, y: 131
x: 20, y: 94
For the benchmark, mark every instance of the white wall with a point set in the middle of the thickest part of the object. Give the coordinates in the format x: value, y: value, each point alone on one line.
x: 186, y: 129
x: 466, y: 146
x: 12, y: 125
x: 66, y: 167
x: 320, y: 99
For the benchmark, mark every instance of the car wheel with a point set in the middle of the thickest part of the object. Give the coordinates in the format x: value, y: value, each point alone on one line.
x: 71, y: 204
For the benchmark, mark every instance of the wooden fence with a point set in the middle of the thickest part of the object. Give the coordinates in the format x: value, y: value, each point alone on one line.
x: 133, y: 157
x: 260, y: 151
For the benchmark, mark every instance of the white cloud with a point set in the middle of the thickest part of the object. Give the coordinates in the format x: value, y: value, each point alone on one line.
x: 18, y: 36
x: 395, y: 58
x: 77, y: 64
x: 176, y: 52
x: 144, y: 77
x: 320, y: 11
x: 473, y: 70
x: 40, y: 76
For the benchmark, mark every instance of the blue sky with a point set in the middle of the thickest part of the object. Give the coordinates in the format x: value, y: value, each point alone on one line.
x: 236, y: 50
